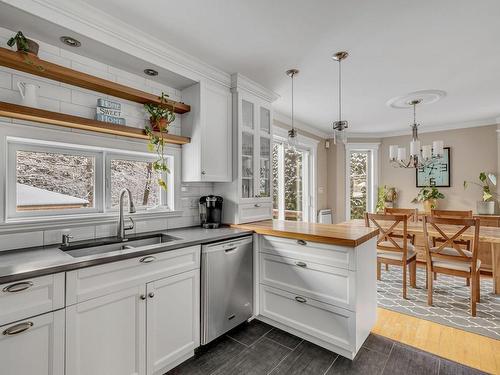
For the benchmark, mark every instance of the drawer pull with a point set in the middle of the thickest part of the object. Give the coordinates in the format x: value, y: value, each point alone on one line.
x: 231, y: 317
x: 18, y: 328
x: 301, y: 264
x: 142, y: 296
x: 18, y: 287
x: 147, y: 259
x: 151, y: 295
x: 301, y: 242
x: 300, y: 299
x: 256, y: 205
x: 230, y: 250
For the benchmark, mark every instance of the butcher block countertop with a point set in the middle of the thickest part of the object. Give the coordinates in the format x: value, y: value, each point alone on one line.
x: 324, y: 233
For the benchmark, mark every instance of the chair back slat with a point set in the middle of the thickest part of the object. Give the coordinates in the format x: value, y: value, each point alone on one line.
x: 386, y: 232
x: 451, y: 214
x: 460, y: 226
x: 412, y: 213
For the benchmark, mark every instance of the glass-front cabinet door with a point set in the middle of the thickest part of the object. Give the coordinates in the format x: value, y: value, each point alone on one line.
x: 265, y: 167
x: 247, y: 165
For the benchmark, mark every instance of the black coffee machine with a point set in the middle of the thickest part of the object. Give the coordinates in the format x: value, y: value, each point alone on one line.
x: 211, y: 211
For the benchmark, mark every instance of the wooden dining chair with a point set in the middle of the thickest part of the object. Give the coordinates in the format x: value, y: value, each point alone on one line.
x: 452, y: 214
x: 450, y: 258
x: 391, y: 250
x: 412, y: 214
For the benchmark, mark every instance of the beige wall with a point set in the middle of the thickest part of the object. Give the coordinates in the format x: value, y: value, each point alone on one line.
x: 472, y: 150
x: 321, y: 162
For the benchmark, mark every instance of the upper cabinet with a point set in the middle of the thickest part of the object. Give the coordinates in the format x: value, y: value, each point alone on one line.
x: 248, y: 197
x: 208, y: 157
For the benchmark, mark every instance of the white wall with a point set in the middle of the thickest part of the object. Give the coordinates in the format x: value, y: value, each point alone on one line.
x: 72, y: 100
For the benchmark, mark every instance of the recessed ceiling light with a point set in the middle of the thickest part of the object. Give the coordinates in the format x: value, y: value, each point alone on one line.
x: 424, y: 97
x: 151, y: 72
x: 72, y: 42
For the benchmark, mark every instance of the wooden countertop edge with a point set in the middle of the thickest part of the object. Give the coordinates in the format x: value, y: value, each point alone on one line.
x: 307, y: 236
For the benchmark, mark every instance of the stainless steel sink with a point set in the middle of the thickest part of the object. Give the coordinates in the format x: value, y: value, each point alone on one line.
x: 109, y: 245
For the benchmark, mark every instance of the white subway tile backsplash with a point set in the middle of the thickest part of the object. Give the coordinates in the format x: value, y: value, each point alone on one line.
x: 77, y: 110
x: 106, y: 230
x: 54, y: 236
x: 45, y: 47
x: 151, y: 225
x: 82, y: 60
x: 10, y: 96
x: 55, y: 59
x: 84, y: 98
x: 21, y: 240
x: 5, y: 80
x: 92, y: 71
x: 49, y: 104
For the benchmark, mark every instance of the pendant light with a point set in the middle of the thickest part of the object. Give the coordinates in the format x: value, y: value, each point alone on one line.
x: 340, y: 125
x: 420, y: 156
x: 292, y: 133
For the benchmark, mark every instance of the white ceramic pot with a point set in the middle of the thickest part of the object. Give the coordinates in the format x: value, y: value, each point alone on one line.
x: 485, y: 208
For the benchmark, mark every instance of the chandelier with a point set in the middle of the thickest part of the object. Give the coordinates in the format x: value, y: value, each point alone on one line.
x: 420, y: 156
x: 292, y: 133
x: 340, y: 126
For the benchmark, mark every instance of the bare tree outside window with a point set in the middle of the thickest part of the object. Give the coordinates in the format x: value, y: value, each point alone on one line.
x: 54, y: 181
x: 358, y: 183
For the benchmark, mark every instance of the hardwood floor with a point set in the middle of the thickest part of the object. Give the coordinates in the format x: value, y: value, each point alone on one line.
x: 467, y: 348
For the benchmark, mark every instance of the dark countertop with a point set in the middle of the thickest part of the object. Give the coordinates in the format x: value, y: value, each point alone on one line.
x: 38, y: 261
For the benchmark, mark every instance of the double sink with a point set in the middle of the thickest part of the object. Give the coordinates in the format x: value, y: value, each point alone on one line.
x: 112, y: 244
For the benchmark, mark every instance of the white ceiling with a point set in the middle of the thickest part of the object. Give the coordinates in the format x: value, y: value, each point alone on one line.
x: 395, y: 46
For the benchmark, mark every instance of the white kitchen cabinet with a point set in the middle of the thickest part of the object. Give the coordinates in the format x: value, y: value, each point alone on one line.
x: 107, y: 335
x: 173, y: 321
x: 251, y: 185
x: 208, y: 156
x: 324, y: 293
x: 33, y: 346
x: 128, y: 319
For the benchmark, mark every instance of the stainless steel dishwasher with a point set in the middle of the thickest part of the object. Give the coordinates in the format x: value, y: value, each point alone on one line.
x: 226, y: 286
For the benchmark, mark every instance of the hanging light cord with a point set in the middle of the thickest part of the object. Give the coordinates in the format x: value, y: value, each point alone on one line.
x: 292, y: 103
x: 415, y: 113
x: 340, y: 91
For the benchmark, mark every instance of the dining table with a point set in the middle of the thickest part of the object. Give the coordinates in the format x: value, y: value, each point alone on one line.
x: 489, y: 235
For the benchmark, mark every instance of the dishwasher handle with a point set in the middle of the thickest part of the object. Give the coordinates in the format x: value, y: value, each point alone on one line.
x: 231, y: 250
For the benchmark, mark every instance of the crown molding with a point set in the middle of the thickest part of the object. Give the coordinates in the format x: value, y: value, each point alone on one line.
x: 286, y: 120
x: 239, y: 81
x: 93, y: 23
x: 428, y: 129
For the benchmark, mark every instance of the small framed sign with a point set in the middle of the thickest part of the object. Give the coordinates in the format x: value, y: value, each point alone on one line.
x: 437, y: 174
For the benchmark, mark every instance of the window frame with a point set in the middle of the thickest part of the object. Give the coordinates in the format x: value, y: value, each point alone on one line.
x: 309, y: 196
x: 165, y: 196
x: 372, y: 175
x: 102, y: 179
x: 11, y: 178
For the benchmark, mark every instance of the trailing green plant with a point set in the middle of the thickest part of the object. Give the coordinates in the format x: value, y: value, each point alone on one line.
x: 20, y: 40
x: 428, y: 193
x: 160, y: 118
x: 486, y: 180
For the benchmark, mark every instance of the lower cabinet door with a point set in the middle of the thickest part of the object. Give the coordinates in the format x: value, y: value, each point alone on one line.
x: 33, y: 346
x: 107, y: 335
x: 173, y: 320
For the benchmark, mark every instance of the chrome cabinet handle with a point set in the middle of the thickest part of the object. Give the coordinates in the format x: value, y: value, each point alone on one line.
x: 300, y: 299
x: 151, y: 295
x: 142, y: 296
x: 18, y: 328
x: 147, y: 259
x: 301, y: 264
x: 301, y: 242
x: 18, y: 287
x: 256, y: 205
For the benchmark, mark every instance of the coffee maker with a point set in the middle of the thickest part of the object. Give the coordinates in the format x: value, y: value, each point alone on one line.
x: 211, y: 211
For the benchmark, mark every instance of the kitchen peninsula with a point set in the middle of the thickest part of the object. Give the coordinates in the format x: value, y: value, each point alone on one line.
x: 316, y: 281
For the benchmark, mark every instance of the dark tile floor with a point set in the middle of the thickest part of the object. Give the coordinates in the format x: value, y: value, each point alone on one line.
x: 256, y: 348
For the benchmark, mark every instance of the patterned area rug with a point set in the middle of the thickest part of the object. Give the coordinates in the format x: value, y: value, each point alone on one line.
x: 451, y: 301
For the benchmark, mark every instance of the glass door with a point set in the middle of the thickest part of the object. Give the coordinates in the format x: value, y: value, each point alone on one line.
x: 247, y: 150
x: 265, y: 168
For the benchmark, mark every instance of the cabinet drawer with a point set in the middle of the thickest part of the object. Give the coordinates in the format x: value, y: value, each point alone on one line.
x: 255, y: 211
x: 328, y: 323
x: 92, y: 282
x: 25, y: 298
x: 324, y: 283
x: 331, y: 255
x: 33, y: 346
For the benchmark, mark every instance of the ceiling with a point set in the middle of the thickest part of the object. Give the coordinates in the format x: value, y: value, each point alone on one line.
x: 395, y: 47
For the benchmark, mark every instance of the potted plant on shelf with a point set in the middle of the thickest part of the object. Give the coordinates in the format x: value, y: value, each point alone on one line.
x: 23, y: 44
x: 429, y: 196
x: 160, y: 118
x: 487, y: 205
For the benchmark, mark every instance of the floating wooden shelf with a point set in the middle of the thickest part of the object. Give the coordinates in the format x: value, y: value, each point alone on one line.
x: 29, y: 63
x: 55, y: 118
